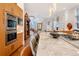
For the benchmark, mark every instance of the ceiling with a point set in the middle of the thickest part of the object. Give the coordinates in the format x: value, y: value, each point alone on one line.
x: 42, y: 9
x: 37, y: 9
x: 63, y: 6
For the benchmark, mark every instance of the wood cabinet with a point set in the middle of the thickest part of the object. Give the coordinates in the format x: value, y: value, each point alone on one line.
x: 15, y: 10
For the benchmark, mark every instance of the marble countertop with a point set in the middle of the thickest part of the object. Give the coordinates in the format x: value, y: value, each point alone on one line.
x: 49, y: 46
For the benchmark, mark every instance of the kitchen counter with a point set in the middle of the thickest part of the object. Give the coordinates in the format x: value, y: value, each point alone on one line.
x: 49, y: 46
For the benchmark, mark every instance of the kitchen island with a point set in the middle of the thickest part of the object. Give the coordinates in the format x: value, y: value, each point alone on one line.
x: 49, y: 46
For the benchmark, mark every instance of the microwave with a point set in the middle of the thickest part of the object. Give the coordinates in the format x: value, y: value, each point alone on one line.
x: 11, y: 22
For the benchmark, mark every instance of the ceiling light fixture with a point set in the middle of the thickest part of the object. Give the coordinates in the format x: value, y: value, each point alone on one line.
x: 52, y: 9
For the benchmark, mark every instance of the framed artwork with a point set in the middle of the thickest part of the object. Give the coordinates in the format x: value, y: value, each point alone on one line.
x: 39, y: 26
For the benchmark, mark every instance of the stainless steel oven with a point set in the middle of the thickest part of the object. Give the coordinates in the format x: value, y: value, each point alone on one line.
x: 11, y: 28
x: 11, y: 36
x: 11, y: 22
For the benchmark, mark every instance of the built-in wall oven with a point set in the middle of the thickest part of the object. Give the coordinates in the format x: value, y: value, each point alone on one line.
x: 11, y: 22
x: 11, y: 28
x: 11, y: 36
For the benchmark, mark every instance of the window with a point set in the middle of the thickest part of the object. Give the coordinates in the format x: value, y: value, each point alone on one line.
x: 77, y: 17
